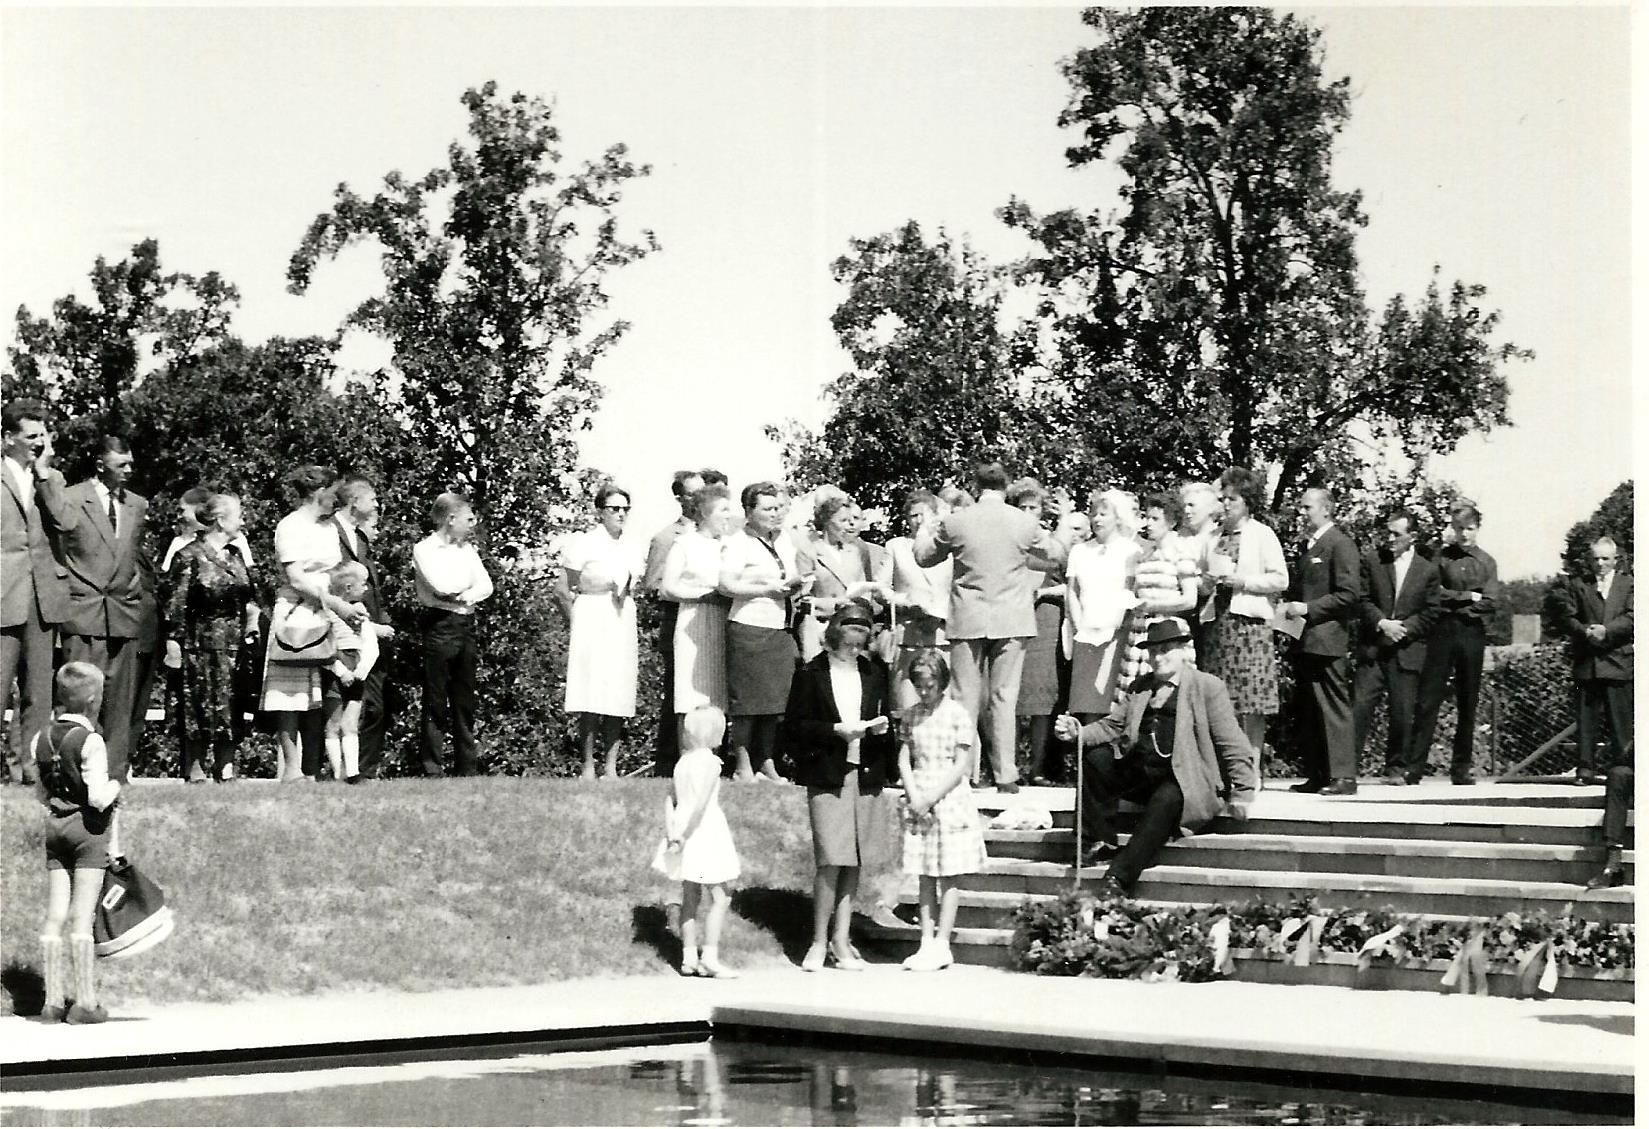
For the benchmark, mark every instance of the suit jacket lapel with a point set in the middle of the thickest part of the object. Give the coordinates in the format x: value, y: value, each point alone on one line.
x: 11, y: 488
x: 1136, y: 711
x: 99, y: 516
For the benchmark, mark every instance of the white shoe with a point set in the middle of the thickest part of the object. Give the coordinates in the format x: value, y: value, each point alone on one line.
x: 930, y: 959
x: 914, y: 962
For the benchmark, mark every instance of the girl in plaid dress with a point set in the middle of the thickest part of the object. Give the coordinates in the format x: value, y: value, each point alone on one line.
x: 943, y: 835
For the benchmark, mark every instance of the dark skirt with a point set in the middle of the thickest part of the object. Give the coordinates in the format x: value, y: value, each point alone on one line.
x: 1039, y: 677
x: 760, y: 663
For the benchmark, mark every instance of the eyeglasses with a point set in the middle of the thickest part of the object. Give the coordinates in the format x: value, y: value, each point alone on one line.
x: 617, y: 509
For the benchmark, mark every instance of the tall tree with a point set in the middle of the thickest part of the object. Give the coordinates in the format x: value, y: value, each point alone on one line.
x: 494, y: 268
x: 86, y: 357
x: 1613, y: 519
x: 1218, y: 317
x: 933, y: 385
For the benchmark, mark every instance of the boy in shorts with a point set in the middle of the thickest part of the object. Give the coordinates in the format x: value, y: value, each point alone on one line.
x: 343, y: 682
x: 81, y: 837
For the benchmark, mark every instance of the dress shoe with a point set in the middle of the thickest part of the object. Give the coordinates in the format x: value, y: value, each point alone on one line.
x: 1412, y: 778
x: 1607, y: 877
x: 1462, y: 778
x: 1308, y: 786
x: 1345, y: 787
x: 847, y: 962
x: 79, y: 1014
x: 1585, y: 776
x: 1008, y: 789
x: 53, y: 1013
x: 814, y: 961
x: 1396, y: 779
x: 1099, y: 852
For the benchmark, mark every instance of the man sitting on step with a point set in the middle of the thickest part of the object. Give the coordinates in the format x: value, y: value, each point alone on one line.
x: 1172, y: 743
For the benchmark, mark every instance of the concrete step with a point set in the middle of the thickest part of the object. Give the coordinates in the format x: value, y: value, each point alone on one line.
x: 1481, y: 897
x: 1420, y: 858
x: 1303, y: 815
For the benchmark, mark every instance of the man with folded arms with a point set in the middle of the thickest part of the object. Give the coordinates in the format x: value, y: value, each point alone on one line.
x: 450, y: 581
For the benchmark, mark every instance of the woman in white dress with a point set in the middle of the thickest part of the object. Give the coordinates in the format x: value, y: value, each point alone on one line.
x: 1098, y: 599
x: 692, y: 575
x: 598, y: 573
x: 306, y: 545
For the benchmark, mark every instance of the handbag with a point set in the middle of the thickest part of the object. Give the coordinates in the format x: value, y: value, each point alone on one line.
x: 132, y: 915
x: 300, y: 635
x: 667, y: 860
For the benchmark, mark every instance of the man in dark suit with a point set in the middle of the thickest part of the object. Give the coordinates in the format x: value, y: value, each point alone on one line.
x: 1395, y: 613
x: 357, y: 509
x: 1468, y: 586
x: 35, y: 514
x: 1597, y: 617
x: 1325, y: 587
x: 109, y: 593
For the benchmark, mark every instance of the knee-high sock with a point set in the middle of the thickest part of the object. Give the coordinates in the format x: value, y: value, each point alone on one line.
x: 51, y: 959
x: 351, y: 750
x: 85, y: 971
x: 335, y: 754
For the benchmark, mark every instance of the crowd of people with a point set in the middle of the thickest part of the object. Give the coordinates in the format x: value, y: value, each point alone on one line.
x: 1142, y: 629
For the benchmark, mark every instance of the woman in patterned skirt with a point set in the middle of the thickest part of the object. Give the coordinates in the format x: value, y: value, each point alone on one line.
x: 943, y: 836
x: 209, y: 617
x: 692, y: 577
x: 1247, y: 570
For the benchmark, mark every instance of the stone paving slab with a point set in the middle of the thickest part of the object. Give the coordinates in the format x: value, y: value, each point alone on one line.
x: 1550, y: 1045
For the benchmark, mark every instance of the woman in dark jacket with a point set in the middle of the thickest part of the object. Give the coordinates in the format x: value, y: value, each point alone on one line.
x: 836, y: 726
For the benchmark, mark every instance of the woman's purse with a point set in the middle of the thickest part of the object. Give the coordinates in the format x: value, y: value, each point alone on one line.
x: 667, y: 860
x: 132, y: 915
x: 300, y: 635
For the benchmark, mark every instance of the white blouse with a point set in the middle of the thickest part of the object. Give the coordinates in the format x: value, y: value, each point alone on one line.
x: 848, y: 689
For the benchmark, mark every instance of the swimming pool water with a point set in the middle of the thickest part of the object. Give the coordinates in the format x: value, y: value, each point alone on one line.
x: 738, y: 1083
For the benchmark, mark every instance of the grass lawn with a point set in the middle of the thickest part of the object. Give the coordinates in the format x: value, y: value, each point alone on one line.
x: 409, y: 884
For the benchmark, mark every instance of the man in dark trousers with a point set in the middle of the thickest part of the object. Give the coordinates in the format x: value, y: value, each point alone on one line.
x: 1468, y: 586
x: 683, y: 486
x: 35, y: 516
x: 110, y: 592
x: 357, y: 509
x: 1325, y: 587
x: 1596, y: 616
x: 1395, y: 613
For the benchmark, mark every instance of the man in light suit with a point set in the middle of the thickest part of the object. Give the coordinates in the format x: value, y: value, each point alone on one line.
x: 1325, y: 587
x: 34, y: 516
x: 1395, y: 614
x: 1597, y: 617
x: 993, y: 589
x: 110, y: 594
x: 357, y: 509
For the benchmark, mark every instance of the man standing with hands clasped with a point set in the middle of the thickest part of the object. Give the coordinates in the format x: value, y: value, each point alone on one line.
x: 35, y: 514
x: 1469, y: 585
x: 1324, y: 590
x: 1397, y: 609
x: 1597, y: 618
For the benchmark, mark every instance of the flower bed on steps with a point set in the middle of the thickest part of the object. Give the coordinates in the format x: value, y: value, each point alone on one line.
x: 1514, y: 954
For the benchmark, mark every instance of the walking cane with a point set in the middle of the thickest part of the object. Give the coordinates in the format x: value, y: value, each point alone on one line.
x: 1076, y: 881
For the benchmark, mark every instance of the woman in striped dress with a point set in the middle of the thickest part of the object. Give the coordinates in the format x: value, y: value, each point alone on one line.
x: 943, y: 835
x: 692, y: 574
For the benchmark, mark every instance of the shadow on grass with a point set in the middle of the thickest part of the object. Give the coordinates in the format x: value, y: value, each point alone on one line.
x: 23, y: 987
x: 786, y: 914
x: 650, y: 925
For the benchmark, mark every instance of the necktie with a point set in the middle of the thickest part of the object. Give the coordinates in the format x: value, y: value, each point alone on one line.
x: 114, y: 511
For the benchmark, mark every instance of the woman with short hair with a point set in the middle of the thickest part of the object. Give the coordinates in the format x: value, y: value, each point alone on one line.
x: 692, y: 578
x: 599, y: 574
x: 306, y: 547
x: 842, y: 569
x: 761, y: 571
x: 1099, y: 600
x: 209, y: 617
x: 1246, y: 571
x: 837, y: 726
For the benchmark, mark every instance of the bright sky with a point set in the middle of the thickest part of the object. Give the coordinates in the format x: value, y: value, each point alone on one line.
x: 1493, y: 141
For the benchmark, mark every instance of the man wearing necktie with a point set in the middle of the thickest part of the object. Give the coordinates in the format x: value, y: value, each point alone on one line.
x: 35, y: 514
x: 1395, y: 614
x: 358, y: 508
x: 111, y: 594
x: 1596, y: 615
x: 1468, y: 587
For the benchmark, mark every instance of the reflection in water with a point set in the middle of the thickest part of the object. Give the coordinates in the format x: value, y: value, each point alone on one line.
x: 738, y: 1083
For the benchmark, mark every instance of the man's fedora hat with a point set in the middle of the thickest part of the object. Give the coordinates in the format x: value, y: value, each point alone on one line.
x: 1170, y: 630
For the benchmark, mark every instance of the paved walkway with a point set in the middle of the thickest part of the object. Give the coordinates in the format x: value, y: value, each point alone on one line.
x: 1552, y: 1044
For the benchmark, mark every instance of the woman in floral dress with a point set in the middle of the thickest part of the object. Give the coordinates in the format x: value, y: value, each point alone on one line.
x: 209, y: 617
x: 943, y: 835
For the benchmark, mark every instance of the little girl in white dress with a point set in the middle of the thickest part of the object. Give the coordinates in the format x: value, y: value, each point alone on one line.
x: 698, y: 846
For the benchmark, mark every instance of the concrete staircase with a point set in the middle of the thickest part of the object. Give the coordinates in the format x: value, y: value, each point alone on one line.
x: 1435, y: 849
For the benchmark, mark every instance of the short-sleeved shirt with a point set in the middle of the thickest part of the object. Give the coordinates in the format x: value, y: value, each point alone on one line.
x: 301, y: 539
x: 600, y: 559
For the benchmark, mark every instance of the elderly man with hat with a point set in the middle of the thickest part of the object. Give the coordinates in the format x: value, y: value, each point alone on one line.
x: 1172, y: 744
